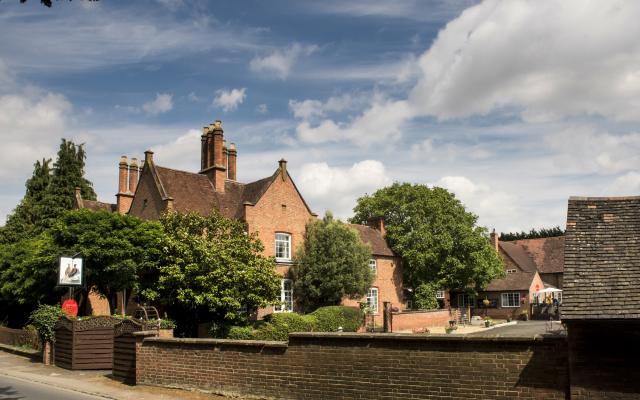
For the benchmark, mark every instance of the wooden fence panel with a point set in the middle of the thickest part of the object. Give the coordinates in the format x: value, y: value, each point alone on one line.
x: 20, y: 337
x: 124, y: 359
x: 93, y: 348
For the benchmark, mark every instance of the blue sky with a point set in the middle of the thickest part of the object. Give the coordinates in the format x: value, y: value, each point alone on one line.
x: 512, y: 105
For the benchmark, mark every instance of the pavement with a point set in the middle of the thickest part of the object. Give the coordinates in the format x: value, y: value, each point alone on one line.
x: 527, y: 328
x: 93, y: 384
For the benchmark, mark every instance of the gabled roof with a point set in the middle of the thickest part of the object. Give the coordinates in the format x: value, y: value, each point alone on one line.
x: 373, y: 236
x: 546, y: 253
x: 602, y: 259
x: 519, y: 256
x: 517, y: 281
x: 195, y: 192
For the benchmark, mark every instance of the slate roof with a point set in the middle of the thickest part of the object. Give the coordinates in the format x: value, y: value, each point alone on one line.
x: 98, y: 205
x: 546, y: 253
x: 379, y: 246
x: 519, y: 256
x: 602, y: 259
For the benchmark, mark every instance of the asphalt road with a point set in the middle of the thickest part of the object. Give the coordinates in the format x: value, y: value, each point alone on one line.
x: 521, y: 328
x: 19, y: 389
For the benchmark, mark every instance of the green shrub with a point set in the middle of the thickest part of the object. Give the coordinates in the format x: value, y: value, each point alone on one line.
x: 44, y: 319
x: 330, y: 318
x: 164, y: 323
x: 241, y: 333
x: 279, y: 326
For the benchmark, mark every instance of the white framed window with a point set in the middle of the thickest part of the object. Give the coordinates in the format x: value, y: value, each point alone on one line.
x: 409, y: 304
x: 372, y: 299
x: 283, y: 246
x: 512, y: 271
x: 466, y: 301
x: 440, y: 294
x: 286, y: 297
x: 372, y: 265
x: 510, y: 299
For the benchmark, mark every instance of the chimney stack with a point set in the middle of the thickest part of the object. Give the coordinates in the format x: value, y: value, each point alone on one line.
x: 204, y: 156
x: 377, y: 223
x: 225, y: 153
x: 211, y: 146
x: 133, y: 175
x: 283, y: 167
x: 232, y: 161
x: 494, y: 240
x: 124, y: 174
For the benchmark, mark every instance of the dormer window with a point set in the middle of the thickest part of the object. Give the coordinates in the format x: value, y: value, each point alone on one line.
x: 283, y: 247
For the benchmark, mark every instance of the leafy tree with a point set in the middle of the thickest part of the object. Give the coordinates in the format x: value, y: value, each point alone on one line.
x: 116, y: 248
x: 435, y: 235
x: 532, y: 234
x: 332, y: 263
x: 425, y: 296
x: 211, y: 263
x: 22, y: 223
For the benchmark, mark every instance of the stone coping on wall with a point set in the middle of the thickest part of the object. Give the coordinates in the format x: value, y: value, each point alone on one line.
x: 404, y: 312
x: 260, y: 343
x: 409, y: 337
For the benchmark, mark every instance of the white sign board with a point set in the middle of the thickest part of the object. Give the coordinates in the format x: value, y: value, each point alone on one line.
x: 71, y: 272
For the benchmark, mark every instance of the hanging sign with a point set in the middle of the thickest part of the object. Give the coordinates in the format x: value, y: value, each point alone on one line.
x: 70, y: 307
x: 71, y: 271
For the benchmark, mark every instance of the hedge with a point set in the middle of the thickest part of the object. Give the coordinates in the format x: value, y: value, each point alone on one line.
x: 330, y: 318
x: 279, y: 326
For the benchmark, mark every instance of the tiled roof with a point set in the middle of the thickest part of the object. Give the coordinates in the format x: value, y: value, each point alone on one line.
x: 98, y: 205
x: 373, y: 236
x: 517, y: 281
x: 546, y: 253
x: 602, y: 259
x: 519, y: 256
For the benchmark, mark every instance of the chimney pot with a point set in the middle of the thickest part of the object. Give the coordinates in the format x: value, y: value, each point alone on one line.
x: 218, y: 124
x: 212, y: 127
x: 232, y: 146
x: 78, y: 192
x: 133, y: 175
x: 205, y: 130
x: 283, y: 166
x: 233, y: 154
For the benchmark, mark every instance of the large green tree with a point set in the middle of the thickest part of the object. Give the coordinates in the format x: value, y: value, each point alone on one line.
x: 117, y: 249
x: 211, y: 263
x: 332, y: 263
x: 436, y: 236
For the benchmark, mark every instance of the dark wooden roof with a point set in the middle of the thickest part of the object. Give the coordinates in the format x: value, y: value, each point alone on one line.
x: 519, y: 256
x: 602, y: 259
x: 546, y: 253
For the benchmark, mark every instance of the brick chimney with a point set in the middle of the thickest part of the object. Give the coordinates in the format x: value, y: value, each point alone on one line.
x: 216, y: 168
x: 283, y: 167
x: 133, y: 175
x: 377, y: 223
x: 225, y: 153
x: 204, y: 156
x: 233, y: 154
x: 494, y: 240
x: 210, y: 146
x: 124, y: 196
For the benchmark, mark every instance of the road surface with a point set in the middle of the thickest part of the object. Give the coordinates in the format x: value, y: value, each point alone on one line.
x: 14, y: 389
x: 521, y: 328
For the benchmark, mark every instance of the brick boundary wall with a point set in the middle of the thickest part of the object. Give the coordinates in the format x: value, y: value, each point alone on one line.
x: 420, y: 319
x: 351, y: 365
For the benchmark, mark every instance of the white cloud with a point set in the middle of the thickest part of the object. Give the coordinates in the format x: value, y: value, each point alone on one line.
x: 552, y: 58
x: 489, y: 204
x: 182, y: 153
x: 583, y: 150
x: 625, y: 185
x: 262, y: 109
x: 338, y: 189
x: 31, y: 124
x: 128, y: 109
x: 192, y: 96
x: 161, y: 104
x: 229, y: 100
x: 279, y: 63
x: 306, y: 109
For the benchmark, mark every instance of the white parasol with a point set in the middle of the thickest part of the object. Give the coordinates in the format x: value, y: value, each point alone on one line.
x: 550, y: 290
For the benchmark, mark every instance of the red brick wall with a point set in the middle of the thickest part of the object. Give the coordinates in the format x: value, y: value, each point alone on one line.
x: 420, y: 319
x: 388, y: 281
x: 147, y: 190
x: 603, y: 360
x: 371, y: 366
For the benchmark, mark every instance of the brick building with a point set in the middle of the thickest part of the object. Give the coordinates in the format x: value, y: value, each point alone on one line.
x: 602, y: 296
x: 272, y: 206
x: 531, y: 265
